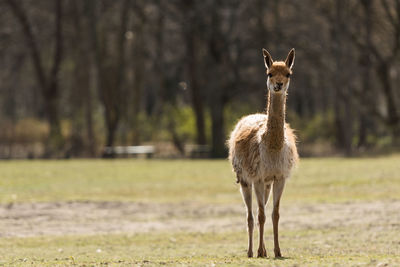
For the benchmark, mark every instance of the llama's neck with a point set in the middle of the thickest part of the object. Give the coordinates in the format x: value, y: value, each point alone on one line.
x: 275, y: 134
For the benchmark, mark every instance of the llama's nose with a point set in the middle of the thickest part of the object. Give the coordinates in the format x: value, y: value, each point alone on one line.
x: 279, y: 85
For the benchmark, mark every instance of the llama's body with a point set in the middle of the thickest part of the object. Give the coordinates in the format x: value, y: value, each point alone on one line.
x: 252, y: 159
x: 262, y: 150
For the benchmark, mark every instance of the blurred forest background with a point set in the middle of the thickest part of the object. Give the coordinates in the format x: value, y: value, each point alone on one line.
x: 77, y: 76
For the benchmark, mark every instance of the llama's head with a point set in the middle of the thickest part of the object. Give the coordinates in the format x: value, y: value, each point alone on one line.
x: 278, y: 72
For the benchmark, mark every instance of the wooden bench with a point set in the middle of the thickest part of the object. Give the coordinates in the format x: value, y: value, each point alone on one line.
x: 147, y: 151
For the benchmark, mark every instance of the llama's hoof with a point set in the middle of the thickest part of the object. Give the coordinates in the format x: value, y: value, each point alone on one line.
x: 278, y: 253
x: 250, y: 254
x: 262, y: 252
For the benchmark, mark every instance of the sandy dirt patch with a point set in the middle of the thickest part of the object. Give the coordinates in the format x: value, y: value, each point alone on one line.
x: 37, y: 219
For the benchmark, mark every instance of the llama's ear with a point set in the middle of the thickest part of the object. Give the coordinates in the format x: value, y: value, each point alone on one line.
x: 290, y: 59
x: 267, y: 59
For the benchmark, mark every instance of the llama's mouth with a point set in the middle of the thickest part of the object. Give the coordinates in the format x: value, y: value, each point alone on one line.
x: 277, y: 89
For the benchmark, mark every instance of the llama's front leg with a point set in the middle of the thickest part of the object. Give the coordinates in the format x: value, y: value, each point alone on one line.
x: 277, y: 191
x: 259, y: 188
x: 246, y: 193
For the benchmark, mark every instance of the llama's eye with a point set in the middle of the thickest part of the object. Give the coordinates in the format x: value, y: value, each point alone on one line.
x: 270, y: 75
x: 288, y: 75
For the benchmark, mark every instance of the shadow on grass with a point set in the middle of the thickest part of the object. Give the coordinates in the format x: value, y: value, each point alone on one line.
x: 273, y: 258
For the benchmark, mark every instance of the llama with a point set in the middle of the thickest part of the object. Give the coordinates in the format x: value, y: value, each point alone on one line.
x: 262, y: 150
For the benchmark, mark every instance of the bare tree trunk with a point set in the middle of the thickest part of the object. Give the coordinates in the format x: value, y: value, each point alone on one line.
x: 366, y: 75
x: 166, y: 103
x: 110, y: 74
x: 197, y: 99
x: 82, y: 141
x: 342, y: 105
x: 48, y: 84
x: 9, y: 102
x: 190, y: 32
x: 52, y: 89
x: 138, y: 61
x: 393, y: 119
x: 114, y: 112
x: 91, y: 138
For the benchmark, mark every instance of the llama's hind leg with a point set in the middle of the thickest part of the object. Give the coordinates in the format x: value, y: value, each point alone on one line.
x: 259, y: 188
x: 247, y: 195
x: 279, y: 184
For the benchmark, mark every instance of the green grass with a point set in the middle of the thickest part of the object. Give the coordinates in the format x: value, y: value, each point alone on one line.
x: 312, y: 247
x: 208, y: 181
x: 328, y: 180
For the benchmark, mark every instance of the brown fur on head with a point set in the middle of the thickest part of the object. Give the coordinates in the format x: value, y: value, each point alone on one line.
x: 278, y: 72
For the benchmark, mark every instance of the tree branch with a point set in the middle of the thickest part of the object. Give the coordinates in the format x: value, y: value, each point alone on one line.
x: 388, y: 13
x: 58, y: 45
x: 31, y: 43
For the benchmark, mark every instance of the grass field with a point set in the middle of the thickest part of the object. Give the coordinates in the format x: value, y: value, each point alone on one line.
x: 183, y: 212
